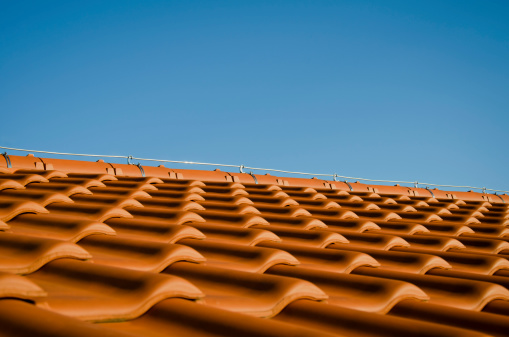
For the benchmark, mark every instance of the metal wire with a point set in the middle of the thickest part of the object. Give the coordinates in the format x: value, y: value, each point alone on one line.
x: 241, y: 167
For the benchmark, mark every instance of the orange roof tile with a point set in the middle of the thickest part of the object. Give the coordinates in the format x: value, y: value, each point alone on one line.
x: 92, y: 248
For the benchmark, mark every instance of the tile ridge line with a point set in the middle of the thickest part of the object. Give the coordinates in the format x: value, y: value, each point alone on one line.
x: 129, y: 158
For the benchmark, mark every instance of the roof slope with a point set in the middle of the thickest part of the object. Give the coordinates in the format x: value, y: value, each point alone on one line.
x: 112, y: 250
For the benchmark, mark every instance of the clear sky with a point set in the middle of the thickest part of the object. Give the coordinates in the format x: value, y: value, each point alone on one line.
x: 405, y: 90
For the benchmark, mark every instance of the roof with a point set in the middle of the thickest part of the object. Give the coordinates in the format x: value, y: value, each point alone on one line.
x: 95, y: 248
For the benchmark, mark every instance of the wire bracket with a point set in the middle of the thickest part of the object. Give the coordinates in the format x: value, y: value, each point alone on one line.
x: 141, y: 169
x: 430, y: 191
x: 254, y: 177
x: 7, y: 159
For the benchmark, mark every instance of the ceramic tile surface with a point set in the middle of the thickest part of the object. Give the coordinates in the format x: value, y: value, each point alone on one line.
x: 92, y: 248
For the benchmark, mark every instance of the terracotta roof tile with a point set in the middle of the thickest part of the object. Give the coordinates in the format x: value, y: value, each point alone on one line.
x: 285, y: 211
x: 398, y: 228
x: 119, y: 191
x: 264, y: 200
x: 19, y: 287
x: 488, y: 231
x: 325, y: 259
x: 265, y: 193
x: 96, y: 212
x: 4, y: 226
x: 185, y: 318
x: 232, y: 219
x: 9, y: 209
x: 408, y: 262
x: 97, y: 292
x: 376, y: 241
x: 241, y: 208
x: 67, y: 189
x: 43, y: 198
x: 255, y: 294
x: 235, y: 235
x: 490, y: 246
x: 157, y: 230
x: 6, y: 183
x: 57, y: 226
x: 23, y: 254
x: 349, y: 322
x: 47, y: 174
x: 24, y: 179
x: 133, y: 185
x: 91, y: 248
x: 45, y: 323
x: 447, y: 291
x: 486, y: 323
x: 431, y: 243
x: 145, y: 180
x: 136, y: 254
x: 316, y: 205
x: 463, y: 261
x: 239, y: 257
x: 503, y: 281
x: 358, y: 292
x: 447, y: 228
x: 293, y: 222
x: 99, y: 177
x: 310, y: 238
x: 497, y: 307
x: 85, y: 182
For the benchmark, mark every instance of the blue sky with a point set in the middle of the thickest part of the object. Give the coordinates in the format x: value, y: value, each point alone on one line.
x: 401, y: 90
